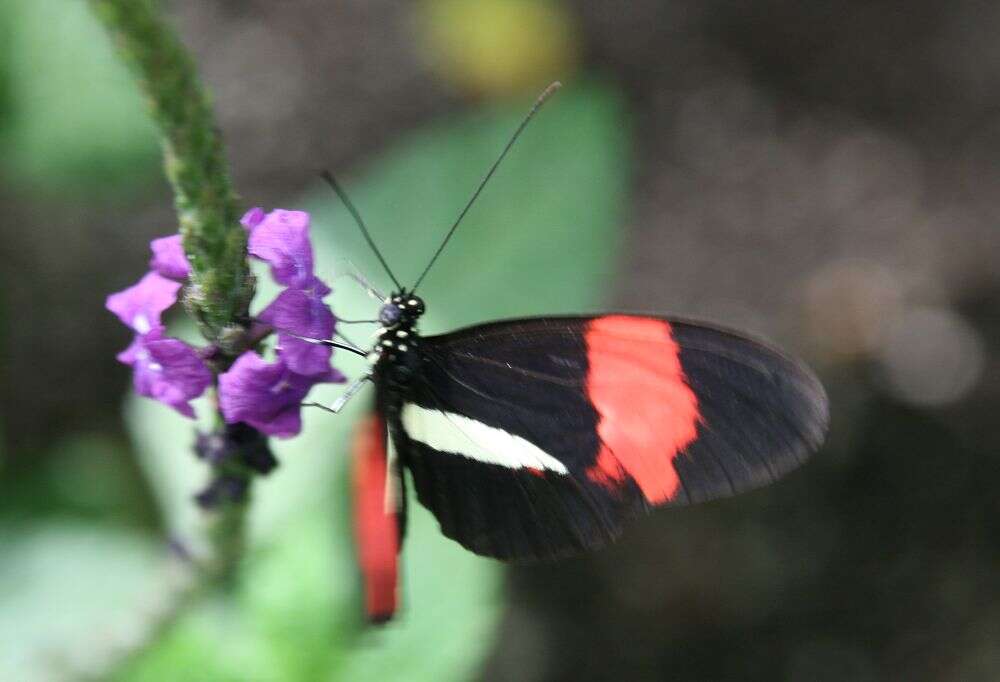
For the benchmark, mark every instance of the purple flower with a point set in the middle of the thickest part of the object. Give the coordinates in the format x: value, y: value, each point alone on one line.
x: 301, y: 313
x: 267, y: 396
x: 167, y: 370
x: 253, y: 393
x: 168, y: 258
x: 164, y: 369
x: 141, y: 305
x: 282, y: 239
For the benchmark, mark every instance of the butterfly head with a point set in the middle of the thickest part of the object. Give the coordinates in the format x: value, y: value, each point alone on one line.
x: 397, y: 337
x: 401, y: 310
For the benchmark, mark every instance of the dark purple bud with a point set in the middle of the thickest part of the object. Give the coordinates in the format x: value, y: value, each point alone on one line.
x: 237, y: 444
x: 222, y: 490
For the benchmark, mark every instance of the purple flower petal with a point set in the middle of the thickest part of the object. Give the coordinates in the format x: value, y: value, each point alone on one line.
x: 303, y: 357
x: 316, y: 287
x: 330, y: 376
x: 141, y: 305
x: 267, y: 396
x: 282, y: 239
x: 252, y: 218
x: 130, y: 355
x: 167, y: 370
x: 301, y: 313
x: 168, y: 258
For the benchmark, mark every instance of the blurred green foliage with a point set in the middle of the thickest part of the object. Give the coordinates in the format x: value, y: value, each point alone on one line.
x: 71, y: 119
x: 81, y: 475
x: 544, y: 237
x: 58, y: 580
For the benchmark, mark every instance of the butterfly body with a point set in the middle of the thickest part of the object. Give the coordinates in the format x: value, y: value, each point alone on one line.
x: 536, y: 439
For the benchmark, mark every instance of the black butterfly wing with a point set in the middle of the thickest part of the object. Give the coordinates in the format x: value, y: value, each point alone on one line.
x: 537, y: 438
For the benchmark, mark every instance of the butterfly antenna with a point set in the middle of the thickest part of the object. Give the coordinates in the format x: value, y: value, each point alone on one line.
x: 326, y: 175
x: 517, y: 133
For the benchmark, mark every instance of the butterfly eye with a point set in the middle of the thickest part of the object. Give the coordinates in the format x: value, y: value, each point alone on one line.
x: 389, y: 314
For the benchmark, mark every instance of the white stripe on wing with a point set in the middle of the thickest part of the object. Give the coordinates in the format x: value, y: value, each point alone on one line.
x: 456, y: 434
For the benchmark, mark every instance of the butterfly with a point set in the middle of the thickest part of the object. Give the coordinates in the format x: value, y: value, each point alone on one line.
x: 536, y: 439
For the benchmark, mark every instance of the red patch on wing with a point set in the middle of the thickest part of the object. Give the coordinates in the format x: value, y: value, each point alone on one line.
x: 647, y: 413
x: 376, y: 528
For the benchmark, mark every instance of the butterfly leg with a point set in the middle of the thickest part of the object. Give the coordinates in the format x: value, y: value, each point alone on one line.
x: 337, y: 405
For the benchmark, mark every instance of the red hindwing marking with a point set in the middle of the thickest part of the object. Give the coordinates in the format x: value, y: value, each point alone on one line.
x: 647, y: 412
x: 376, y: 529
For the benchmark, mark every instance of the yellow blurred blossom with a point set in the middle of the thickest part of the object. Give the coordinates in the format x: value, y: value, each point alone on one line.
x: 499, y: 47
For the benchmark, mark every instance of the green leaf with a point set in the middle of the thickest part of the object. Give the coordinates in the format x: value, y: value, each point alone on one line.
x: 75, y: 120
x: 543, y: 238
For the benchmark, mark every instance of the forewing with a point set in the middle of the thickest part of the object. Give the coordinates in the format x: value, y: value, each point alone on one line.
x: 537, y: 438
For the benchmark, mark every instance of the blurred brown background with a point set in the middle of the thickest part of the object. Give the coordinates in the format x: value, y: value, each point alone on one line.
x: 824, y: 174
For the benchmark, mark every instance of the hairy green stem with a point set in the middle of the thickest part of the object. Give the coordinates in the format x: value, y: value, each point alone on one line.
x: 221, y: 284
x: 215, y: 243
